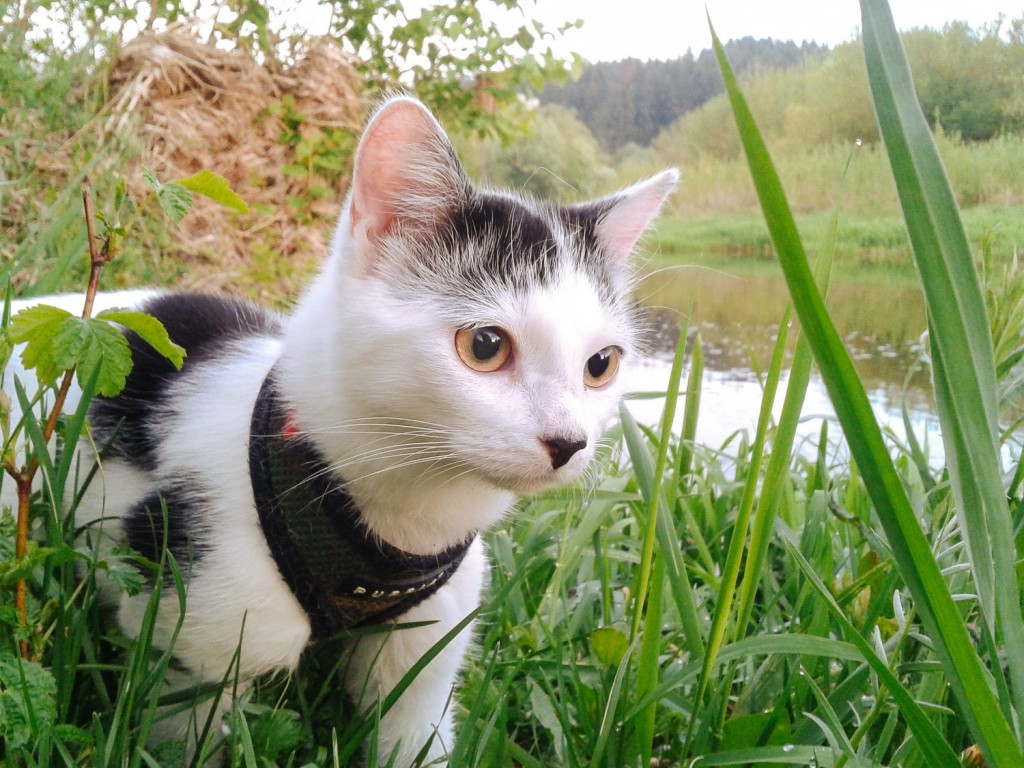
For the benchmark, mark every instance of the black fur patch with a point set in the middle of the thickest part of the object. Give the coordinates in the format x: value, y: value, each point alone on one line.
x: 581, y: 222
x: 170, y: 519
x: 522, y: 242
x: 200, y: 324
x: 513, y: 243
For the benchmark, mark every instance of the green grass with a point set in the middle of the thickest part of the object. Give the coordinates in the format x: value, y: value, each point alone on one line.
x: 743, y: 604
x: 864, y: 246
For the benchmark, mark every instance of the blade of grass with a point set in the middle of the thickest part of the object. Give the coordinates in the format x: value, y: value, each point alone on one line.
x: 691, y: 409
x: 963, y: 362
x: 932, y: 745
x: 366, y: 728
x: 777, y: 472
x: 651, y: 487
x: 652, y: 491
x: 940, y: 615
x: 682, y: 591
x: 737, y: 543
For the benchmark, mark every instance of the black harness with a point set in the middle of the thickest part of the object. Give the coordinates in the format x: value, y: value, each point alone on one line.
x: 341, y: 574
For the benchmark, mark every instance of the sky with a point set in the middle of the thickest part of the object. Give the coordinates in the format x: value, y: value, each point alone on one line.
x: 665, y: 29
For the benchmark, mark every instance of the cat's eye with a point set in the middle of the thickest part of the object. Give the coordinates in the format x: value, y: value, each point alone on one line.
x: 483, y: 349
x: 601, y: 367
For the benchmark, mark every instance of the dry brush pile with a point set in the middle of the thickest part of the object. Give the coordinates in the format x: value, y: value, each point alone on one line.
x: 280, y: 134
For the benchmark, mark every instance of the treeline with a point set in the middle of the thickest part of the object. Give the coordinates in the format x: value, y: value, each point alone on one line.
x: 970, y: 82
x: 631, y: 101
x: 812, y: 112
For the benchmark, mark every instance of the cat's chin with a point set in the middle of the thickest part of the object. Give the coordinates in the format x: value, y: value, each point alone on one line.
x: 531, y: 485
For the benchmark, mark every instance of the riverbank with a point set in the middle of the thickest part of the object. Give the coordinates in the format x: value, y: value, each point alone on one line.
x: 872, y: 249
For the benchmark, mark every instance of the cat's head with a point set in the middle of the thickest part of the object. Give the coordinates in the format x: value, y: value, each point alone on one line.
x: 493, y: 326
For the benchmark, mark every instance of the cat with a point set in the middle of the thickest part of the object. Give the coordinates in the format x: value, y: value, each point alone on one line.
x: 459, y: 348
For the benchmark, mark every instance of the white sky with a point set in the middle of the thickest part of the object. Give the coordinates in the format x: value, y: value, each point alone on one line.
x: 664, y: 29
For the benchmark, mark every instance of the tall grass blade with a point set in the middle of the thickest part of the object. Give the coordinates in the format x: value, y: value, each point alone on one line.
x: 691, y: 411
x: 737, y: 543
x: 777, y: 472
x: 360, y: 733
x: 963, y: 362
x: 931, y: 743
x: 911, y: 551
x: 652, y: 489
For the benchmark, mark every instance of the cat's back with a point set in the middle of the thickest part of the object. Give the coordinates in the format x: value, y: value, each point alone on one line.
x: 229, y: 344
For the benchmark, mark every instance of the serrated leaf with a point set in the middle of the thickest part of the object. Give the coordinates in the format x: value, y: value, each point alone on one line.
x: 27, y: 701
x: 37, y: 328
x: 151, y: 180
x: 122, y: 568
x: 279, y: 731
x: 103, y: 347
x: 215, y: 187
x: 149, y: 330
x: 175, y: 201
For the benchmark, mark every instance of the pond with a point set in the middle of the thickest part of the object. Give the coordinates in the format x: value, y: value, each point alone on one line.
x: 737, y: 310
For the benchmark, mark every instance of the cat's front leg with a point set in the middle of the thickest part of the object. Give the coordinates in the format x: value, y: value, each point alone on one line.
x: 379, y: 662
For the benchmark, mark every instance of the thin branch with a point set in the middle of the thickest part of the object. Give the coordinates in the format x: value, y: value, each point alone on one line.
x: 23, y: 478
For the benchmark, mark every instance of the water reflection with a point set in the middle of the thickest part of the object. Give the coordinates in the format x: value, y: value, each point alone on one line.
x: 737, y: 316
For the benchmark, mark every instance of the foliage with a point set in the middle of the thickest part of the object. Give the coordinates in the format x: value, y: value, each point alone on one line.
x: 957, y: 331
x: 75, y: 83
x: 437, y: 52
x: 735, y: 604
x: 554, y: 158
x: 968, y: 80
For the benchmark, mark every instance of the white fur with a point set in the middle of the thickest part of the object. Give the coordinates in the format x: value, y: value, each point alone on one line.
x: 431, y: 450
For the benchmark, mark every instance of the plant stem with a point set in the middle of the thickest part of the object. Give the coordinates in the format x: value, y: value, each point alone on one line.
x: 23, y: 477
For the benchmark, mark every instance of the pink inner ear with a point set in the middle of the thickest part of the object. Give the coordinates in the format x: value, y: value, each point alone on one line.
x: 632, y: 213
x: 393, y: 172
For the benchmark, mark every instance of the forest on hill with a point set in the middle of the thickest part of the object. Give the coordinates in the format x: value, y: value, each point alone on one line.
x: 970, y: 81
x: 620, y: 121
x: 632, y: 100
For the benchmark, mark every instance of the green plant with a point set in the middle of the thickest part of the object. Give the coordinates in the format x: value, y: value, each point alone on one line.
x: 964, y: 374
x: 58, y: 347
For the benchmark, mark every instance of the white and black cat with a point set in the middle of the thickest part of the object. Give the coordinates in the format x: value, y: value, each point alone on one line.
x: 460, y: 347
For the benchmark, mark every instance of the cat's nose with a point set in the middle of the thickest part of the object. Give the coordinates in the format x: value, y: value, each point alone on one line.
x: 561, y: 449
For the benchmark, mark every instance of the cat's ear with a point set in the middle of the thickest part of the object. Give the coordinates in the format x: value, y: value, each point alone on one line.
x: 630, y: 212
x: 407, y: 178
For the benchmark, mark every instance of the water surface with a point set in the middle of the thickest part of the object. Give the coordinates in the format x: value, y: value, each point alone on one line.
x: 737, y: 313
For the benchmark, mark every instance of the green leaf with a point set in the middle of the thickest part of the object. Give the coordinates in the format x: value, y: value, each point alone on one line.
x: 174, y: 199
x: 277, y: 732
x: 27, y: 701
x: 963, y: 361
x: 149, y: 330
x: 609, y: 645
x: 94, y: 347
x: 216, y: 188
x: 122, y: 567
x: 36, y: 327
x: 151, y: 180
x: 911, y: 550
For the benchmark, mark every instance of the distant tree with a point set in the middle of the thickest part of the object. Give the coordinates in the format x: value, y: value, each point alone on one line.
x: 970, y: 83
x: 556, y: 157
x: 455, y: 56
x: 631, y: 101
x: 967, y: 79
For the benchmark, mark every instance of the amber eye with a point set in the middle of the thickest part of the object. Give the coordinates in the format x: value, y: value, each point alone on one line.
x: 601, y: 367
x: 483, y: 349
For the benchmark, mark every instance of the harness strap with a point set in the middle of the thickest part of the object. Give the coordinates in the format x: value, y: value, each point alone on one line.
x: 341, y: 575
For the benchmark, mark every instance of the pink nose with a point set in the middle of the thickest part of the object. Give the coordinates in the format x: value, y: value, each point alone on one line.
x: 561, y: 449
